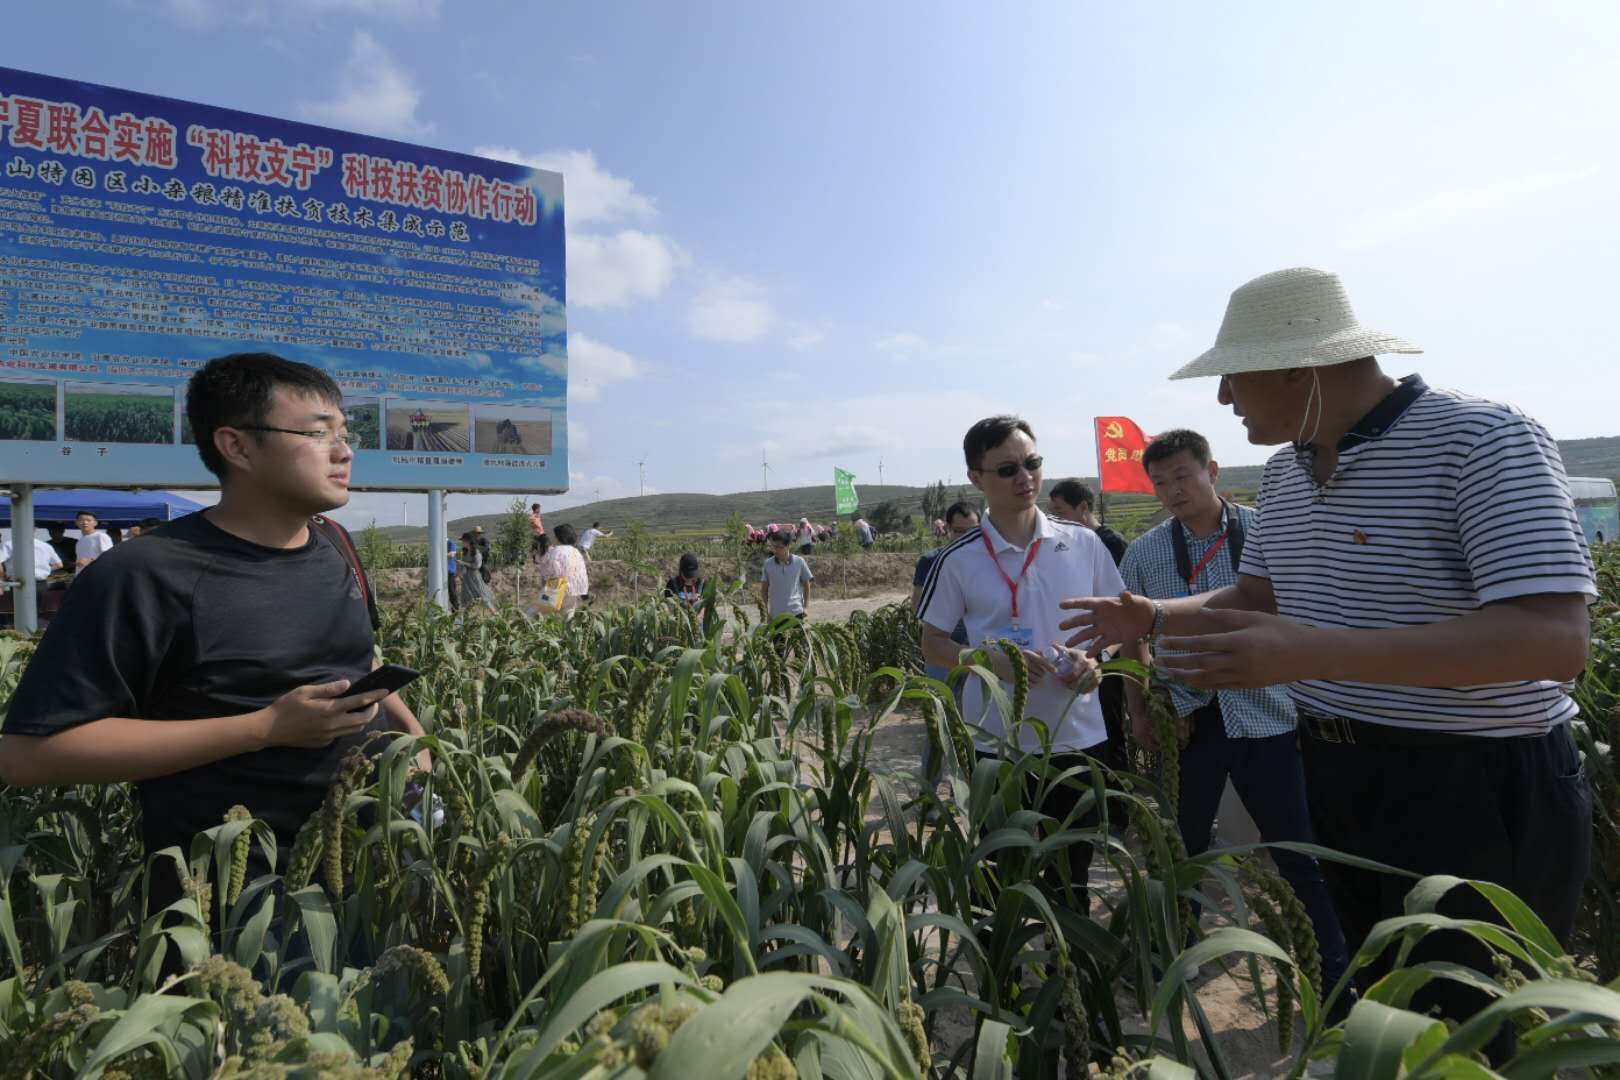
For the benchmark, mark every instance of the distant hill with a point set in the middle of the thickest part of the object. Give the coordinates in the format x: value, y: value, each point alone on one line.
x: 698, y: 513
x: 1592, y: 457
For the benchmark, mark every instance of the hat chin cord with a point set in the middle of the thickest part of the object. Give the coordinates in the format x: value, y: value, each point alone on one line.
x: 1314, y: 396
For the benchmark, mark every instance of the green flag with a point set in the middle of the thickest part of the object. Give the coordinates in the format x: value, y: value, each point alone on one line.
x: 844, y: 485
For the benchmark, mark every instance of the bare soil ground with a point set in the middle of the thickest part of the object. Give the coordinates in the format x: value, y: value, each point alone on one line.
x: 1246, y: 1037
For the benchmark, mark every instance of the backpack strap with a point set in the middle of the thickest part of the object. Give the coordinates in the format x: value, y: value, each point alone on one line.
x: 1234, y: 541
x: 338, y: 537
x: 1234, y: 534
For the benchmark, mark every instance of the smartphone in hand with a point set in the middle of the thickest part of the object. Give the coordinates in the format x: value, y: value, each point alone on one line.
x: 390, y: 677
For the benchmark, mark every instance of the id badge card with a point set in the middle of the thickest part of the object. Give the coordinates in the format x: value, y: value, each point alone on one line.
x: 1022, y: 636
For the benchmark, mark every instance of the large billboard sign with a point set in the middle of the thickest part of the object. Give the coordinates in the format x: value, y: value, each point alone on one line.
x: 140, y: 236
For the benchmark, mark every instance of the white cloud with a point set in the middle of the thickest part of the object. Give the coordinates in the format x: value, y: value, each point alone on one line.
x: 579, y: 436
x: 591, y: 194
x: 605, y: 270
x: 929, y: 421
x: 200, y: 13
x: 374, y: 94
x: 805, y: 338
x: 1378, y: 227
x: 904, y: 341
x: 192, y: 12
x: 611, y: 271
x: 730, y: 309
x: 593, y: 365
x: 402, y: 9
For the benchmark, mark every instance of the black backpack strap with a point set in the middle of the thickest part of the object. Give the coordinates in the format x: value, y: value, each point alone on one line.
x: 1178, y: 540
x: 338, y: 537
x: 1234, y: 541
x: 1234, y: 534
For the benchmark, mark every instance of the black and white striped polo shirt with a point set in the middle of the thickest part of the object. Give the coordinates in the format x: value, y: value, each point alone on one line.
x: 1440, y: 503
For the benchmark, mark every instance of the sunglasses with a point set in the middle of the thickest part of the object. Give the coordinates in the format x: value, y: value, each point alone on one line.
x: 1009, y: 469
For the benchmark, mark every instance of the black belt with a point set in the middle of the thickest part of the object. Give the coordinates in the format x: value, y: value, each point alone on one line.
x: 1345, y: 732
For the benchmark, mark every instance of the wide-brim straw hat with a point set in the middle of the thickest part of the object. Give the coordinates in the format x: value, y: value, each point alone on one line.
x: 1290, y: 319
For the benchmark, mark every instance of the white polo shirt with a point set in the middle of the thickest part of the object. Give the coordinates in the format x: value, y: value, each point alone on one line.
x: 44, y: 555
x: 963, y: 584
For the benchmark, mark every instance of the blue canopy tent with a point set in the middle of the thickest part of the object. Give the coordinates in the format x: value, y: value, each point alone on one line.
x: 119, y: 509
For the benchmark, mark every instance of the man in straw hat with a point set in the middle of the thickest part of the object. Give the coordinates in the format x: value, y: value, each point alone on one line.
x: 1417, y: 574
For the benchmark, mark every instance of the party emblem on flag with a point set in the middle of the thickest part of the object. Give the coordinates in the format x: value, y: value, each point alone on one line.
x: 1120, y: 446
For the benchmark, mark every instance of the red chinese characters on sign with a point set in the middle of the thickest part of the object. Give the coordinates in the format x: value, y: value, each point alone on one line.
x: 236, y: 155
x: 1120, y: 445
x: 62, y: 127
x: 427, y: 187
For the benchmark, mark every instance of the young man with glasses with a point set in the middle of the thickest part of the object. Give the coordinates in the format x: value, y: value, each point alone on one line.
x: 1004, y: 580
x: 210, y: 663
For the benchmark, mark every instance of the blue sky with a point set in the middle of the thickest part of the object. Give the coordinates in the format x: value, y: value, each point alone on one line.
x: 836, y: 233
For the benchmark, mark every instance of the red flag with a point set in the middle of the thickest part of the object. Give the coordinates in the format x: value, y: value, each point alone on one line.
x: 1120, y: 444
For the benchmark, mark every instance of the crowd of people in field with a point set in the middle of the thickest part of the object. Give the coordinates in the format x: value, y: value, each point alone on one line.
x: 1377, y: 656
x: 59, y: 557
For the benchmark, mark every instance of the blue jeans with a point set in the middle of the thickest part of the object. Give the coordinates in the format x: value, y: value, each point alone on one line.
x: 1270, y: 779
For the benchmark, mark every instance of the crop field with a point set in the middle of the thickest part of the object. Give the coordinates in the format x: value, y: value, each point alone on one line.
x: 365, y: 420
x: 412, y: 427
x: 28, y: 411
x: 117, y: 418
x: 658, y: 842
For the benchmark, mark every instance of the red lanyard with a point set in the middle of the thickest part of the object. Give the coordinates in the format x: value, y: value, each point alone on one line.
x: 1011, y: 584
x: 1208, y: 555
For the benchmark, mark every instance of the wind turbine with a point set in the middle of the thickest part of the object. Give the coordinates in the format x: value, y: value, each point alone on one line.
x: 764, y: 472
x: 880, y: 472
x: 642, y: 465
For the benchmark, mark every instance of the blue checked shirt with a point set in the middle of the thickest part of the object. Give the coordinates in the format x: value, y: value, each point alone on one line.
x: 1149, y: 569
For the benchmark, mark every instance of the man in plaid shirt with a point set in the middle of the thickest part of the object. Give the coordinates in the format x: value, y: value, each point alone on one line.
x: 1246, y: 736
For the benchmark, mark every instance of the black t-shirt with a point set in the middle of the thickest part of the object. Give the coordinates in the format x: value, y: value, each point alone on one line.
x: 66, y: 550
x: 193, y: 622
x: 679, y: 589
x: 1113, y: 541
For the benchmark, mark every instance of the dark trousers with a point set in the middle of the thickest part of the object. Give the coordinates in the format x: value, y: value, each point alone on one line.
x: 1516, y: 812
x: 1061, y: 799
x: 1111, y: 697
x: 1271, y: 782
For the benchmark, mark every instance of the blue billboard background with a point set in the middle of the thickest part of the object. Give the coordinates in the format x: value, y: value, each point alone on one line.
x: 140, y: 236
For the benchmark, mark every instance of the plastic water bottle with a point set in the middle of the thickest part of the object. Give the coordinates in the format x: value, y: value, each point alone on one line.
x: 1060, y: 659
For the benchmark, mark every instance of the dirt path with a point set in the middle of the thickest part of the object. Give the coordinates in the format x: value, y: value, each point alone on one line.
x: 1246, y: 1037
x: 823, y: 610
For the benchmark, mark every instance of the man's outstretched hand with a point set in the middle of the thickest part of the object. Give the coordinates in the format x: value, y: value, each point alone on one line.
x: 1103, y: 622
x: 1244, y: 650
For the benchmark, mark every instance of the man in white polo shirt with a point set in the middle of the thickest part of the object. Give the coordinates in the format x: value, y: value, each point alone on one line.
x: 1004, y: 579
x: 45, y: 563
x: 1417, y: 573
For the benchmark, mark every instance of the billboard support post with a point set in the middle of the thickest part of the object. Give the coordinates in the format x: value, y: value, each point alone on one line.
x: 437, y: 585
x: 22, y: 558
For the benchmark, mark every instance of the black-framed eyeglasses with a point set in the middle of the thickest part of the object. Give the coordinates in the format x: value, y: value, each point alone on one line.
x: 324, y: 438
x: 1009, y: 469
